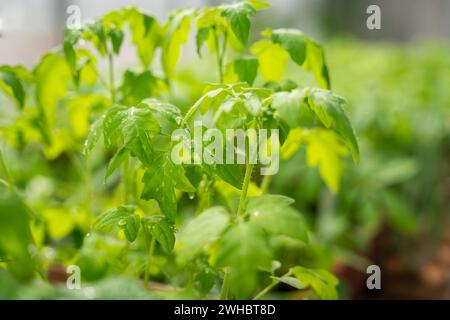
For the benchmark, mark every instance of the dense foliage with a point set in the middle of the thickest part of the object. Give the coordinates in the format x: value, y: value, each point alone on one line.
x: 87, y: 177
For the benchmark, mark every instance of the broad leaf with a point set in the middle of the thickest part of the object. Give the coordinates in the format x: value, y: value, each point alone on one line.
x: 330, y: 109
x: 136, y: 125
x: 272, y: 59
x: 274, y: 214
x: 145, y: 35
x: 237, y: 15
x: 138, y: 86
x: 159, y: 183
x: 243, y: 247
x: 231, y: 173
x: 201, y: 232
x: 293, y: 41
x: 177, y: 31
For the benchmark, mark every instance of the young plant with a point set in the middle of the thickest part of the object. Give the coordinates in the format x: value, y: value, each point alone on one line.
x: 233, y: 240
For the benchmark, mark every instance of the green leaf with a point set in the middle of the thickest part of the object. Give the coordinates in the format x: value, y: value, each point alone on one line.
x: 200, y: 232
x: 399, y: 212
x: 52, y: 76
x: 145, y: 35
x: 167, y: 115
x: 200, y: 38
x: 99, y: 36
x: 15, y: 234
x: 243, y: 247
x: 272, y: 59
x: 116, y: 37
x: 237, y: 15
x: 303, y: 51
x: 329, y: 108
x: 293, y: 282
x: 325, y: 150
x: 321, y: 281
x: 158, y: 187
x: 293, y: 41
x: 274, y: 214
x: 288, y: 106
x: 231, y: 173
x: 137, y: 126
x: 162, y: 230
x: 177, y: 31
x: 315, y: 62
x: 138, y: 86
x: 116, y: 161
x: 205, y: 280
x: 246, y: 68
x: 122, y: 217
x: 12, y: 85
x: 159, y: 183
x: 95, y: 132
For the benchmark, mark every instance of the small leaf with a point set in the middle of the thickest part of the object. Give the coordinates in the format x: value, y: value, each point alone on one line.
x: 246, y: 68
x: 293, y: 282
x: 293, y: 41
x: 122, y: 217
x: 116, y: 37
x: 321, y: 281
x: 94, y: 135
x: 13, y: 86
x: 237, y: 15
x: 231, y: 173
x: 116, y: 161
x: 162, y: 230
x: 138, y: 86
x: 200, y: 38
x: 329, y: 108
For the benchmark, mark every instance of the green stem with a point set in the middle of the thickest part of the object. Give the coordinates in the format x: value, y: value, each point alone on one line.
x: 265, y: 184
x: 112, y: 89
x: 270, y: 286
x: 225, y: 287
x: 247, y: 178
x: 125, y: 180
x: 5, y: 172
x: 150, y: 241
x: 219, y: 55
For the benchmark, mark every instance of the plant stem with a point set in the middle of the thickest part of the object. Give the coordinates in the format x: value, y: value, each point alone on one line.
x: 270, y: 286
x: 112, y: 89
x: 219, y: 55
x: 247, y: 178
x: 125, y: 180
x: 225, y: 287
x: 265, y: 184
x: 150, y: 241
x: 5, y: 172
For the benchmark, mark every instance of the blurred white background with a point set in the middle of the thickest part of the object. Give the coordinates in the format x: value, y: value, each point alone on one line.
x: 31, y: 27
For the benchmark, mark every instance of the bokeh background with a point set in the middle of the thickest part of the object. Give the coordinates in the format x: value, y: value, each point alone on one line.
x: 393, y: 208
